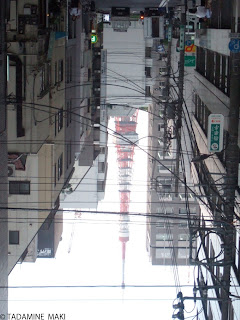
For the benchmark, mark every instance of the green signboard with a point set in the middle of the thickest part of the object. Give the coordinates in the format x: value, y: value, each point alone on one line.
x: 94, y: 38
x: 190, y: 61
x: 215, y: 132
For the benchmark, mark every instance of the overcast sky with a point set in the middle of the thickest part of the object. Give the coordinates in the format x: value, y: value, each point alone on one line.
x: 95, y: 259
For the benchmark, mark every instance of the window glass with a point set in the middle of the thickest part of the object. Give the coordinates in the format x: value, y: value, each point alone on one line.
x: 161, y: 236
x: 162, y: 253
x: 60, y: 119
x: 148, y: 72
x: 182, y: 210
x: 19, y: 187
x: 60, y: 70
x: 60, y: 166
x: 183, y: 237
x: 148, y: 52
x: 13, y: 237
x: 147, y: 91
x: 101, y: 167
x: 100, y: 186
x: 183, y: 253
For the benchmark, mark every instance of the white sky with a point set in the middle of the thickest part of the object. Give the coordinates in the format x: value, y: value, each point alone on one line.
x: 95, y: 259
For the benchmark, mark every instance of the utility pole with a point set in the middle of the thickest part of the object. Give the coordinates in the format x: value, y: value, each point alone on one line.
x: 180, y: 90
x: 232, y: 160
x: 3, y: 161
x: 165, y: 139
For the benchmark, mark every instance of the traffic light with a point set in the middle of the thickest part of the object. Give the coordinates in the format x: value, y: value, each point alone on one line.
x: 178, y: 315
x: 141, y: 15
x: 180, y: 307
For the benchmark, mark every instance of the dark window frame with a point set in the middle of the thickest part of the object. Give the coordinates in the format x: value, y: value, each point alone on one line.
x: 60, y: 166
x: 148, y: 71
x: 60, y: 70
x: 60, y: 120
x: 147, y: 91
x: 148, y: 52
x: 13, y: 237
x: 16, y: 187
x: 100, y: 186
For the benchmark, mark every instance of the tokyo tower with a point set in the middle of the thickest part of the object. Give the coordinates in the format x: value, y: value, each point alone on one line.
x: 125, y: 144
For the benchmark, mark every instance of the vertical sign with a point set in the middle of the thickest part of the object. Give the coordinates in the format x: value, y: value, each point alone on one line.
x: 215, y: 132
x: 182, y: 36
x: 94, y: 38
x: 169, y: 33
x: 189, y: 46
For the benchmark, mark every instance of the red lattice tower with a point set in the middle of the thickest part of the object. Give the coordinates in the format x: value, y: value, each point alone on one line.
x: 126, y: 128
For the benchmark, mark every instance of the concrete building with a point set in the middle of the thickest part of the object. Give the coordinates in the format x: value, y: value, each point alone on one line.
x: 167, y: 239
x: 38, y: 162
x: 46, y: 241
x: 87, y: 184
x: 212, y: 96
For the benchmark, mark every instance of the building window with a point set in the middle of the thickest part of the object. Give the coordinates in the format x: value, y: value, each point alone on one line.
x: 148, y: 52
x: 69, y: 154
x: 190, y: 196
x: 60, y: 166
x: 160, y: 126
x: 56, y: 73
x: 55, y: 175
x: 183, y: 225
x: 202, y: 113
x: 13, y: 237
x: 164, y: 196
x: 147, y: 91
x: 60, y: 119
x: 60, y: 70
x: 69, y: 112
x: 101, y: 167
x: 183, y: 253
x: 148, y: 72
x: 168, y: 210
x: 163, y: 71
x: 89, y: 74
x: 88, y: 105
x: 165, y: 167
x: 161, y: 236
x: 162, y: 253
x: 19, y: 187
x: 162, y: 84
x: 102, y: 150
x: 55, y: 124
x: 183, y: 237
x: 215, y: 67
x: 100, y: 186
x: 160, y: 224
x: 45, y: 77
x: 69, y: 69
x: 182, y: 210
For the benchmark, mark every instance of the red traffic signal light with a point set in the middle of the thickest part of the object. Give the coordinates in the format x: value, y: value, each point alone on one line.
x: 141, y: 15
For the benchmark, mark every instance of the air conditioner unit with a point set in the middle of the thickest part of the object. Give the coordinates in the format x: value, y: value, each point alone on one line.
x: 11, y: 170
